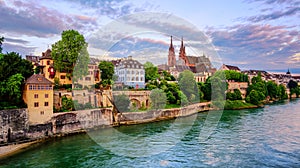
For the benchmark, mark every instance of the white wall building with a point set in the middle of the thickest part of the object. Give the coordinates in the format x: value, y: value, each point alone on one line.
x: 130, y: 72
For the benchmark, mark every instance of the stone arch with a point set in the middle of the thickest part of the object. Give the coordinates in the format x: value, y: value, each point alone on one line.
x: 135, y: 102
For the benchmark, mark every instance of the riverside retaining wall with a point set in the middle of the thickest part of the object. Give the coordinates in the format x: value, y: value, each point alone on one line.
x: 157, y: 115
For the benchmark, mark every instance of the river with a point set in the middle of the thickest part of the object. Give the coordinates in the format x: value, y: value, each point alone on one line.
x: 263, y: 137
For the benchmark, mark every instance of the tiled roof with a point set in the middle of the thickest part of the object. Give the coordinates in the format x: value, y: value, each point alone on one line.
x: 130, y: 63
x: 230, y: 67
x: 94, y: 61
x: 33, y: 58
x: 37, y: 79
x: 46, y: 55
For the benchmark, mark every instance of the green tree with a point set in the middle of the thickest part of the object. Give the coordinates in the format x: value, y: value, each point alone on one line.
x: 236, y: 95
x: 151, y: 72
x: 255, y: 97
x: 188, y: 86
x: 282, y: 92
x: 236, y: 76
x: 272, y: 89
x: 11, y: 89
x: 107, y: 72
x: 121, y: 102
x: 12, y: 63
x: 158, y: 99
x: 69, y: 51
x: 66, y: 104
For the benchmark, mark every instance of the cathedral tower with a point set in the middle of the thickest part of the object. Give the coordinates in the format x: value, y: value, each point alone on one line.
x: 171, y: 56
x: 182, y: 54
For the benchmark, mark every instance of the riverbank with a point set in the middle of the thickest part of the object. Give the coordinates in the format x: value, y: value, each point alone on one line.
x: 238, y: 105
x: 6, y: 151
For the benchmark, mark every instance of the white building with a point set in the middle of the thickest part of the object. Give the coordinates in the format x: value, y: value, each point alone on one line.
x: 130, y: 72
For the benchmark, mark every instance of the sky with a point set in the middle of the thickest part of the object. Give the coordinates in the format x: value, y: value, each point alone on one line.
x: 250, y: 34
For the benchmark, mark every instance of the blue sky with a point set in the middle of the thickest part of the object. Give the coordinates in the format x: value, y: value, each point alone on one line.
x: 252, y: 34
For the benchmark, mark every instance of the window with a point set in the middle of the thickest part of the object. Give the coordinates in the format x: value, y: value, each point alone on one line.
x: 42, y: 112
x: 62, y: 77
x: 46, y: 104
x: 36, y: 96
x: 87, y: 78
x: 30, y: 87
x: 48, y: 62
x: 36, y: 104
x: 46, y: 95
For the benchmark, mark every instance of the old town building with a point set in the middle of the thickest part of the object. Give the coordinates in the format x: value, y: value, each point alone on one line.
x: 130, y: 72
x: 38, y: 94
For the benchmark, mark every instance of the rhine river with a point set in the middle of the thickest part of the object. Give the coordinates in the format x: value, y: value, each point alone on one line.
x: 264, y: 137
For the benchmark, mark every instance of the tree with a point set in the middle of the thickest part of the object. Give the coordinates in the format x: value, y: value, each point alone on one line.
x: 11, y: 89
x: 293, y: 86
x: 188, y: 85
x: 71, y: 50
x: 12, y: 63
x: 158, y: 98
x: 255, y: 97
x: 282, y: 92
x: 122, y: 102
x: 151, y: 72
x: 14, y: 70
x: 236, y: 95
x: 66, y: 104
x: 1, y: 41
x: 272, y: 89
x: 107, y: 71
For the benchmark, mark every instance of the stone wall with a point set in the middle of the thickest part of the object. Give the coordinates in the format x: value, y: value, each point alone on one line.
x: 66, y: 122
x: 13, y: 125
x: 156, y: 115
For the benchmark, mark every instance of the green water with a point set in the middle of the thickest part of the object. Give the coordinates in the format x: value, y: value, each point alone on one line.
x: 265, y: 137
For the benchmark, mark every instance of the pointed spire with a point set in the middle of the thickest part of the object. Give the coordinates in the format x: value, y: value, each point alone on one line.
x: 181, y: 42
x: 171, y: 41
x: 171, y: 45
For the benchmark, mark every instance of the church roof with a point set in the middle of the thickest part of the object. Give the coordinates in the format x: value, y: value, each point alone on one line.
x: 181, y: 68
x: 37, y: 79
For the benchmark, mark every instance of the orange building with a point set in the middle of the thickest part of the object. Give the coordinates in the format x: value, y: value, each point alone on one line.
x: 38, y: 95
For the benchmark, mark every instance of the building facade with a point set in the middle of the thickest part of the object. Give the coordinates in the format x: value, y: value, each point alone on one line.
x: 38, y: 95
x: 130, y: 72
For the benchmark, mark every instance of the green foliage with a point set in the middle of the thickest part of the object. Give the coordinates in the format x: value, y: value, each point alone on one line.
x: 188, y: 86
x: 167, y: 76
x: 206, y: 90
x: 14, y: 70
x: 122, y: 102
x: 272, y: 89
x: 107, y: 70
x: 158, y: 99
x: 236, y: 76
x: 71, y: 50
x: 257, y: 79
x: 237, y: 104
x: 66, y: 104
x: 281, y: 92
x: 236, y: 95
x: 183, y: 100
x: 37, y: 70
x: 56, y: 83
x: 11, y: 89
x: 255, y: 97
x: 12, y: 63
x: 151, y: 72
x: 218, y: 86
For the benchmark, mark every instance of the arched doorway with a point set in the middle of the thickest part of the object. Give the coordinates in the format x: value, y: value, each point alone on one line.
x: 9, y: 135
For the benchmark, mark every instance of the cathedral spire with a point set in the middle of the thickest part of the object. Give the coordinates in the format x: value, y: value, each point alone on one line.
x: 171, y: 56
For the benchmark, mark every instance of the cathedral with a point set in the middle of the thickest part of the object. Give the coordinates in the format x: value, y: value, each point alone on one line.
x: 196, y: 64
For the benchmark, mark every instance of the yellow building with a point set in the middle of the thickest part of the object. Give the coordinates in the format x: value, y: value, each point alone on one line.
x: 47, y: 68
x: 38, y: 95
